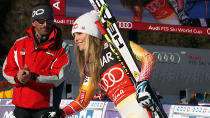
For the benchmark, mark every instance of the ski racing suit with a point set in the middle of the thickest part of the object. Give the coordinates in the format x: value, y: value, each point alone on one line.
x: 162, y: 11
x: 116, y: 84
x: 46, y: 62
x: 192, y: 12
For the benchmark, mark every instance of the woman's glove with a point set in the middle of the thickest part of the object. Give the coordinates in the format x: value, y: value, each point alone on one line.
x: 142, y: 96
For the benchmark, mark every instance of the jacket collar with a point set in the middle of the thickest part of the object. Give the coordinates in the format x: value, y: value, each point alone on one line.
x: 54, y: 37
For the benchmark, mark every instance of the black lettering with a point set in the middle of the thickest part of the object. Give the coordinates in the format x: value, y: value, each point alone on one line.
x: 116, y: 36
x: 112, y: 30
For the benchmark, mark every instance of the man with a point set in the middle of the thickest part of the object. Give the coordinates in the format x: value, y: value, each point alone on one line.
x: 35, y: 66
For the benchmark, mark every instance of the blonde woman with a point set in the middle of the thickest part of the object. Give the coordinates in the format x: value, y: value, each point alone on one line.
x: 100, y: 68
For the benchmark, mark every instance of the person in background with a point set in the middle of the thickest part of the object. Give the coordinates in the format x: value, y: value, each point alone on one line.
x: 193, y: 100
x: 183, y: 101
x: 100, y: 68
x: 35, y: 66
x: 161, y: 10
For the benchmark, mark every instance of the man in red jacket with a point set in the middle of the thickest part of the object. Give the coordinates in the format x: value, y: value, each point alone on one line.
x: 35, y: 66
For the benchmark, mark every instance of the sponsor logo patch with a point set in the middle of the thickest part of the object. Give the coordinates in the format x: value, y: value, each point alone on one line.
x: 82, y: 96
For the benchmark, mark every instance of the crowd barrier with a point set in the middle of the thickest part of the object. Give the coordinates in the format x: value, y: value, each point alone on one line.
x: 184, y: 111
x: 101, y: 109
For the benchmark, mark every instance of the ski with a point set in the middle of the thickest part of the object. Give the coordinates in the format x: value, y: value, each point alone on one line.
x: 115, y: 38
x: 112, y: 29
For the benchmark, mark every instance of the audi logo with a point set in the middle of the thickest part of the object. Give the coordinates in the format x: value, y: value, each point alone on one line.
x: 167, y: 57
x: 109, y: 79
x: 125, y: 25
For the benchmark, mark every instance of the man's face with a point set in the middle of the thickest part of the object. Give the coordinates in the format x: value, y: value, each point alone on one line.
x: 42, y: 26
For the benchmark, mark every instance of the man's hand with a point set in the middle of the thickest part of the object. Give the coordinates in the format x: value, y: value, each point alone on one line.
x: 58, y: 113
x: 142, y: 96
x: 24, y: 75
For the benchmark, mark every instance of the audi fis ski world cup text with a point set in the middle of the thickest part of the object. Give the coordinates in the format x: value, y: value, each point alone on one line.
x: 177, y: 29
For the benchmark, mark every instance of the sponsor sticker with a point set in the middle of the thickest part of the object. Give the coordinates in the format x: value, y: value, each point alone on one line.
x: 86, y: 81
x: 82, y: 96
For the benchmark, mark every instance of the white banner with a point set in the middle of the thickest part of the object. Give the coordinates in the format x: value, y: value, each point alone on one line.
x: 182, y: 111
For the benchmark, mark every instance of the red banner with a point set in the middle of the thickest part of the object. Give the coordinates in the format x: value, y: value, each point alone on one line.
x: 145, y: 26
x: 170, y: 28
x: 58, y: 7
x: 60, y: 14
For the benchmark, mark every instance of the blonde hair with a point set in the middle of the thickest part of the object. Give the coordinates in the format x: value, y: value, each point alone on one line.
x: 91, y: 54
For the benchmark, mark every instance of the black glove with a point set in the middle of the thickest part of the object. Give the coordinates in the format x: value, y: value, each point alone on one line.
x: 142, y: 96
x: 57, y: 113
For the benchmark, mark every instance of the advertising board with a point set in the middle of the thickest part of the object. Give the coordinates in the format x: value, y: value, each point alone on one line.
x: 179, y: 16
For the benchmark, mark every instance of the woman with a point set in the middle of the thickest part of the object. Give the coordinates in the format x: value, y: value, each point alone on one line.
x: 99, y: 68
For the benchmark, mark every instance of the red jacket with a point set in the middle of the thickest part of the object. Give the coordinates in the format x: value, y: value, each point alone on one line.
x: 46, y: 62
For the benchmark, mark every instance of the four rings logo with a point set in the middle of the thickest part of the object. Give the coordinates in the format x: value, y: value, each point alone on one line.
x: 167, y: 57
x: 109, y: 79
x: 125, y: 25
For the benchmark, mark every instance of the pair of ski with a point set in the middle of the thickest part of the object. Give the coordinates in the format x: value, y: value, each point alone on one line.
x: 114, y: 37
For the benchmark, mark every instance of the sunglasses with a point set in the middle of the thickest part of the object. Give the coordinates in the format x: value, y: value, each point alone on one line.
x: 42, y: 21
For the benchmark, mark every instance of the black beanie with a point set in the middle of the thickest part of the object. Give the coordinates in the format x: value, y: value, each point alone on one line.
x: 42, y: 11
